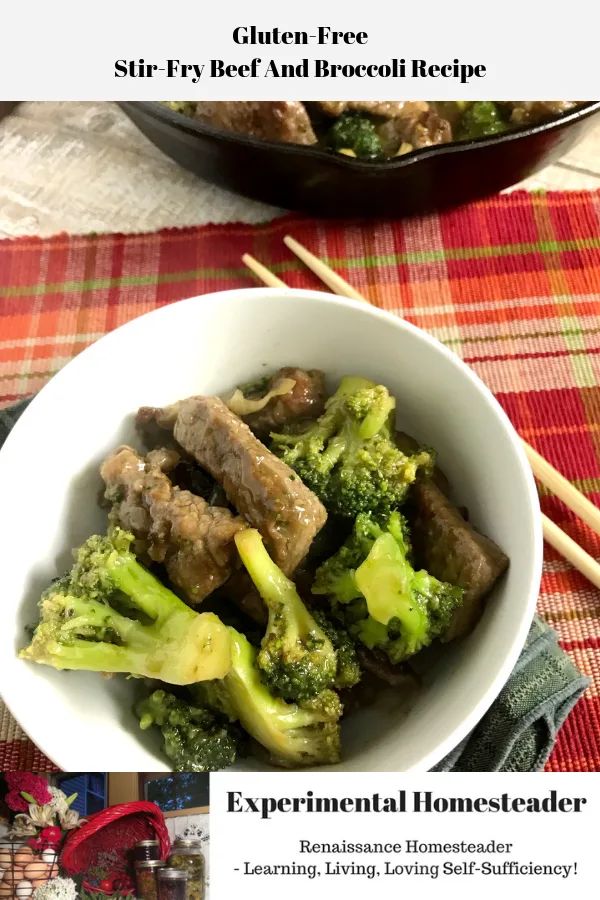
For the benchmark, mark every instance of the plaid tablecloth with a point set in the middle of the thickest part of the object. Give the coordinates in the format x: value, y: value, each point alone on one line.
x: 511, y: 284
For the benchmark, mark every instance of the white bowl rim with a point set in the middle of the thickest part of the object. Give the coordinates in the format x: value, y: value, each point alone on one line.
x: 463, y: 728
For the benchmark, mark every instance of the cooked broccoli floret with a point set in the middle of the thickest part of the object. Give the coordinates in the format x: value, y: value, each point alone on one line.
x: 385, y: 603
x: 294, y: 734
x: 352, y: 131
x: 348, y: 667
x: 196, y: 739
x: 297, y: 659
x: 348, y: 457
x: 109, y: 614
x: 481, y: 118
x: 335, y: 578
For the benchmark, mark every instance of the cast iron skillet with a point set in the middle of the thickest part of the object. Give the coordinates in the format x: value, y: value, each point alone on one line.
x: 329, y: 184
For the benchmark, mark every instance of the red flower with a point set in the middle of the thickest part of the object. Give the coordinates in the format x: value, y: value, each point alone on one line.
x: 32, y: 784
x: 15, y: 802
x: 37, y: 843
x: 51, y: 836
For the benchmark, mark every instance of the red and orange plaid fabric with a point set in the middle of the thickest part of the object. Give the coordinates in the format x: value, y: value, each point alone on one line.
x: 511, y: 284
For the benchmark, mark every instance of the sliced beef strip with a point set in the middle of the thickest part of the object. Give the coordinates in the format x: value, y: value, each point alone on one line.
x: 280, y: 120
x: 452, y: 550
x: 306, y: 400
x: 390, y: 109
x: 192, y: 539
x: 421, y: 130
x: 430, y: 129
x: 258, y: 484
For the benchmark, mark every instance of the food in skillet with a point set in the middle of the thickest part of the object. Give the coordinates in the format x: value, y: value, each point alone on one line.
x: 274, y: 559
x: 371, y: 129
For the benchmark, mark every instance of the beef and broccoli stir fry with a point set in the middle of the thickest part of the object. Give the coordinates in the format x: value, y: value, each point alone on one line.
x: 371, y: 129
x: 272, y: 560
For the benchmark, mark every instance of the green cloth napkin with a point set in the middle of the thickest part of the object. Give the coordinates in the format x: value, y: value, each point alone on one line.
x: 9, y: 416
x: 518, y: 732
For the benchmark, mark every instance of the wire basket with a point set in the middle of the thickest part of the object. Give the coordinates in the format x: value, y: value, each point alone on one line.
x: 24, y: 869
x: 103, y: 846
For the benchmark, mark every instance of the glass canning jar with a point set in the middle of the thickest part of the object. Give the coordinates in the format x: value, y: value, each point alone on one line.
x: 187, y: 854
x: 172, y: 884
x: 146, y: 872
x: 145, y: 850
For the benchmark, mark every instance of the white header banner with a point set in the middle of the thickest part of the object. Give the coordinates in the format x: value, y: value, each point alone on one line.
x: 393, y: 835
x: 117, y: 50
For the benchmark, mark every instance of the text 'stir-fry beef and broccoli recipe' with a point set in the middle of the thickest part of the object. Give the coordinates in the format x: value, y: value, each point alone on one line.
x: 274, y: 559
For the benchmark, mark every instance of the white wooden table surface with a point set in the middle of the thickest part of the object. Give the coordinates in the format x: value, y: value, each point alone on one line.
x: 81, y: 167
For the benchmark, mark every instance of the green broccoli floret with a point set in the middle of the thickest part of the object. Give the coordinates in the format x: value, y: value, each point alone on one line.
x: 385, y: 603
x: 480, y: 119
x: 349, y: 457
x: 195, y: 739
x: 297, y: 659
x: 352, y: 131
x: 348, y: 671
x: 109, y: 614
x: 294, y: 734
x: 335, y: 577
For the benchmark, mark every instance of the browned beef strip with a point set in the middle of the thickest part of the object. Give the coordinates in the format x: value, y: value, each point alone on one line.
x: 193, y: 539
x: 258, y: 484
x: 421, y: 130
x: 452, y: 550
x: 273, y: 120
x: 164, y: 459
x: 430, y: 129
x: 306, y: 400
x: 390, y: 109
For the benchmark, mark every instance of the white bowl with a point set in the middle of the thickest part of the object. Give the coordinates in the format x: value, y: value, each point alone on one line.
x: 49, y: 485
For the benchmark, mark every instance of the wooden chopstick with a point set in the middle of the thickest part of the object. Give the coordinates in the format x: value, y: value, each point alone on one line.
x: 333, y: 281
x: 262, y: 272
x: 563, y: 489
x: 571, y: 551
x: 541, y: 468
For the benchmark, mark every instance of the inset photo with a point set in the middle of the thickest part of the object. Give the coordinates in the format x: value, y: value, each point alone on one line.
x: 86, y: 835
x: 299, y: 459
x: 366, y: 157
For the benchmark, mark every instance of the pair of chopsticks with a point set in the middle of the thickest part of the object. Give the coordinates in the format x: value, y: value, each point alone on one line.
x: 543, y: 471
